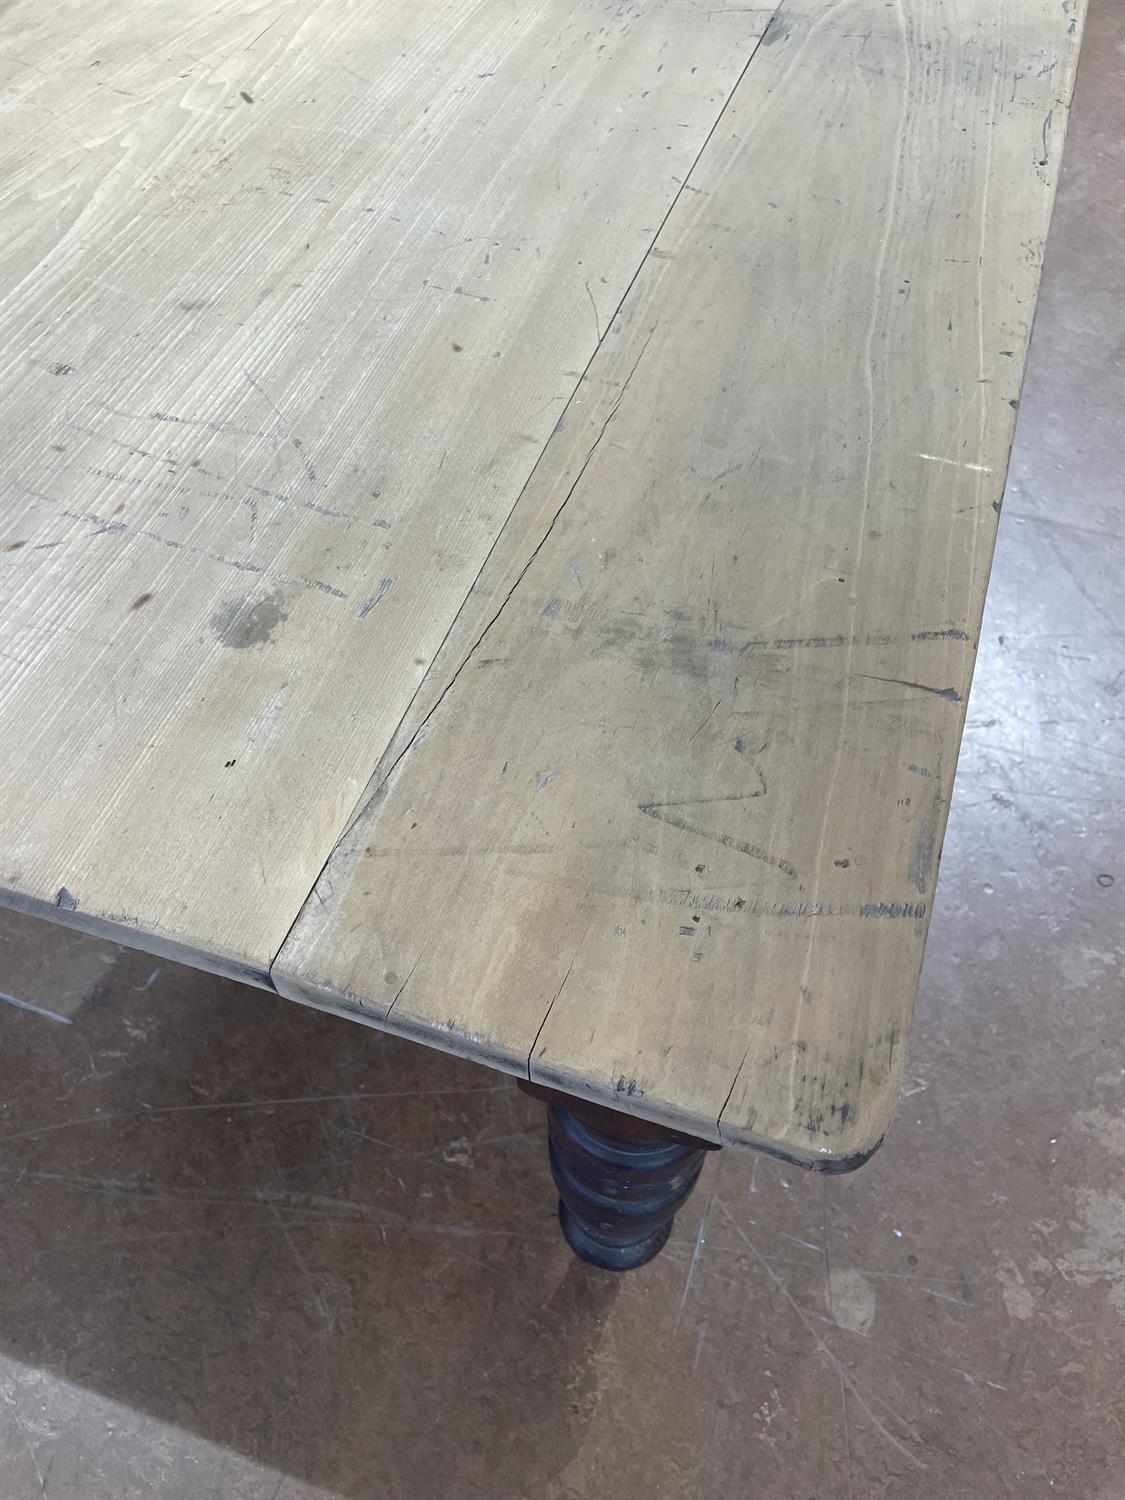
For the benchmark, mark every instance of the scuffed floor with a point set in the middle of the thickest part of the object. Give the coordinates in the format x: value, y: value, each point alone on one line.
x: 249, y: 1251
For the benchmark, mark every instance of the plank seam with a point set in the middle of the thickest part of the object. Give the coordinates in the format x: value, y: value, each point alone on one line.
x: 601, y: 433
x: 379, y: 780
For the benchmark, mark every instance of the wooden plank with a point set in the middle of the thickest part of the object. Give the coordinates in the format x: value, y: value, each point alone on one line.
x: 291, y: 300
x: 668, y: 831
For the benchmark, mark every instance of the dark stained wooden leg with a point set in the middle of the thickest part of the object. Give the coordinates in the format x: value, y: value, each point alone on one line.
x: 620, y: 1179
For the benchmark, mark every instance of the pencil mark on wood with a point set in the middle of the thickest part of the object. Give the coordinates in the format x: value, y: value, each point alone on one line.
x: 167, y: 416
x: 456, y: 291
x: 687, y: 898
x: 949, y: 693
x: 893, y: 909
x: 174, y: 470
x: 385, y: 586
x: 920, y: 867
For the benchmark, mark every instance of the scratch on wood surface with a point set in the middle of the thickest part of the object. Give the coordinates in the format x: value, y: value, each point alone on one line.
x: 405, y: 982
x: 107, y: 527
x: 594, y: 306
x: 663, y: 814
x: 706, y: 720
x: 456, y: 291
x: 956, y: 463
x: 285, y: 426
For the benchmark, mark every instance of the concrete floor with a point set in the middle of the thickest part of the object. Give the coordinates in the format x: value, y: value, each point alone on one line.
x: 248, y: 1251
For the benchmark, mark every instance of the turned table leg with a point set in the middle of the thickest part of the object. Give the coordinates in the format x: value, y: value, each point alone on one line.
x: 620, y: 1179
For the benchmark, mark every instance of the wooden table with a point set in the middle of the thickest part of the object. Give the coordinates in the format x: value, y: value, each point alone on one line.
x: 498, y: 501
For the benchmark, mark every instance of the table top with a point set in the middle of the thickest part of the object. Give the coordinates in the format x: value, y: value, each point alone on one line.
x: 498, y: 508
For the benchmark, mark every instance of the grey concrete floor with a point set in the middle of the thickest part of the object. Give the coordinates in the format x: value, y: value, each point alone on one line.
x: 252, y: 1252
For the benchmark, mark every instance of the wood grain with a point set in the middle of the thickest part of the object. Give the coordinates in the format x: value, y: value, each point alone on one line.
x: 663, y: 827
x: 291, y: 299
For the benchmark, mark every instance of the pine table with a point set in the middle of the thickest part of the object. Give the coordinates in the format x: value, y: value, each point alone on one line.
x: 498, y: 503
